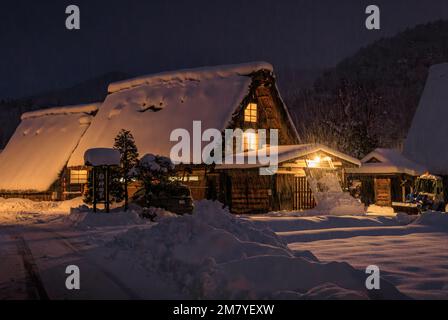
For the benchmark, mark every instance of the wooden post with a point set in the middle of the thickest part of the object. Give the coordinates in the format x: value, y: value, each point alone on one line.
x: 107, y: 189
x: 94, y: 188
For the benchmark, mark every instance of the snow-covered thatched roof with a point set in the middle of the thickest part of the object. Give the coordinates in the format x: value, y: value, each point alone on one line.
x: 286, y: 153
x: 426, y: 140
x: 41, y: 146
x: 388, y: 161
x: 151, y: 107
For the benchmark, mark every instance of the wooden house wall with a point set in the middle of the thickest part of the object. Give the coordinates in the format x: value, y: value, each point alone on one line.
x: 271, y: 112
x: 284, y: 192
x: 249, y: 191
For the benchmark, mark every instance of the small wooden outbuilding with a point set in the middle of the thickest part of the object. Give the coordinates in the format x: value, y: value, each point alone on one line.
x: 385, y: 176
x: 244, y: 190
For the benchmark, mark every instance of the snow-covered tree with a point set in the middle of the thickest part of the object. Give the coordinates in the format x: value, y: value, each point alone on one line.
x: 155, y: 173
x: 125, y: 144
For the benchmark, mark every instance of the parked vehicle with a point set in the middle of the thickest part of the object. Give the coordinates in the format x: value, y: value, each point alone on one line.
x: 427, y: 195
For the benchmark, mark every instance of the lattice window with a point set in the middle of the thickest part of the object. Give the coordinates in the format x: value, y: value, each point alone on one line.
x: 250, y: 113
x: 78, y: 176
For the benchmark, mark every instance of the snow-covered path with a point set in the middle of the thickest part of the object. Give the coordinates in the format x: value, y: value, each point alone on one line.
x: 412, y: 257
x: 15, y: 283
x: 214, y: 254
x: 50, y: 248
x: 45, y: 253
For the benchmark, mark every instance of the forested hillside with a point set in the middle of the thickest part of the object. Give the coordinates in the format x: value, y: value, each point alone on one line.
x: 369, y: 99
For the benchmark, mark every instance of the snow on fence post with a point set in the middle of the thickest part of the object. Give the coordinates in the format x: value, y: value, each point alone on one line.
x: 101, y: 160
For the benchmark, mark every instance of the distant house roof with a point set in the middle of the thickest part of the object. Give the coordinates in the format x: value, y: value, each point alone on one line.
x: 289, y: 152
x: 387, y: 161
x: 427, y: 136
x: 151, y: 107
x: 41, y: 146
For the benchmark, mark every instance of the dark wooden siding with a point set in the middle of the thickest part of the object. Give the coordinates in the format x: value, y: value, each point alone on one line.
x: 249, y: 191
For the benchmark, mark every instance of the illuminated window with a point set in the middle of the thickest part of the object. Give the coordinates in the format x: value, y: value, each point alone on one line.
x: 250, y: 141
x: 250, y: 113
x: 319, y: 162
x: 185, y: 179
x: 78, y: 176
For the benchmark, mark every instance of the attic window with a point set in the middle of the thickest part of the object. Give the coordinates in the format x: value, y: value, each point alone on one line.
x: 250, y: 113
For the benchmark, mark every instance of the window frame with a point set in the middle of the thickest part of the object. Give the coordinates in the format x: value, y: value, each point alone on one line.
x: 251, y: 113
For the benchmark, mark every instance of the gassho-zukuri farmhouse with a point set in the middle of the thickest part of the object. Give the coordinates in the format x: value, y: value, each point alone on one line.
x: 44, y: 159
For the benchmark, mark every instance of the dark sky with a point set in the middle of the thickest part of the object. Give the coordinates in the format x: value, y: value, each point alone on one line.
x: 37, y: 52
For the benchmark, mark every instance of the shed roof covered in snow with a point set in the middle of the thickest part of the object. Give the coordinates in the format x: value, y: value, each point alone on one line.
x: 286, y: 153
x: 426, y: 139
x: 41, y: 146
x: 102, y: 157
x: 387, y: 161
x: 151, y: 107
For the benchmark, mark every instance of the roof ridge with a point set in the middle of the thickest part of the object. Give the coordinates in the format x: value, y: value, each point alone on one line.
x: 81, y: 108
x: 192, y: 74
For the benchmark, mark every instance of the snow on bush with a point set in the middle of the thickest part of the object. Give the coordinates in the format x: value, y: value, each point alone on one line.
x: 83, y: 217
x: 433, y: 219
x: 87, y: 219
x: 215, y: 255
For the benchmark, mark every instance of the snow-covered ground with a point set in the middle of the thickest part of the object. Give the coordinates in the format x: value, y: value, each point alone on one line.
x: 410, y: 251
x: 213, y: 254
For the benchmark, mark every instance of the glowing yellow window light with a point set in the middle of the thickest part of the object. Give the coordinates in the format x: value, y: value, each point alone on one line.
x: 250, y: 141
x: 250, y: 113
x: 78, y: 176
x: 319, y: 162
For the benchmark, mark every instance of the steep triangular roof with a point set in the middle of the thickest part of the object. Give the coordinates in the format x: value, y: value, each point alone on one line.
x: 151, y: 107
x: 427, y: 137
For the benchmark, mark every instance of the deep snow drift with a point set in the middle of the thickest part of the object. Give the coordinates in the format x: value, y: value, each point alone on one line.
x: 213, y: 254
x: 409, y: 250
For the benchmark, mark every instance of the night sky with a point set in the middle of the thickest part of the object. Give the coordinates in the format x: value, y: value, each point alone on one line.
x: 38, y: 53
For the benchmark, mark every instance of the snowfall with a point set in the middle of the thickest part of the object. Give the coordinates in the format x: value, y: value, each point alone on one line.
x: 213, y: 254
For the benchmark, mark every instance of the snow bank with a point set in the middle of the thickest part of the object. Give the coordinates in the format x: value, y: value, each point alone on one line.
x: 24, y: 210
x: 215, y: 255
x: 87, y: 219
x: 433, y: 219
x: 17, y: 205
x: 376, y: 210
x: 83, y: 217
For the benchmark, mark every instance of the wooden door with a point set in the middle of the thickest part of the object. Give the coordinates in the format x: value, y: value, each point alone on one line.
x: 383, y: 195
x: 303, y: 197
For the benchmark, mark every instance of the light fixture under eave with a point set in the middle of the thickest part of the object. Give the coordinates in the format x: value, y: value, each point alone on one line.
x: 319, y: 162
